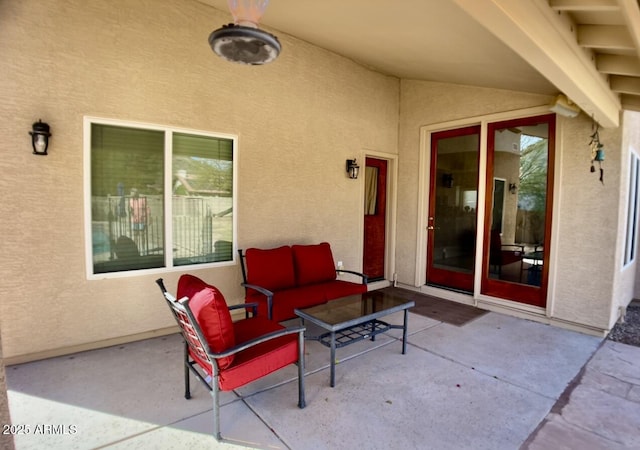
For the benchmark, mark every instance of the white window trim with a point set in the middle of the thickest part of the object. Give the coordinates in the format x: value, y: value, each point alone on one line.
x: 631, y: 226
x: 168, y: 213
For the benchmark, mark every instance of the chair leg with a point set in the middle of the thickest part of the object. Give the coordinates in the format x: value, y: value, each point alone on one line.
x: 187, y: 387
x: 301, y: 399
x: 215, y: 395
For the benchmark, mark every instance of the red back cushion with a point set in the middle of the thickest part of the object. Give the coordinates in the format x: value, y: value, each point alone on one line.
x: 271, y: 268
x: 313, y: 263
x: 212, y: 314
x: 188, y: 286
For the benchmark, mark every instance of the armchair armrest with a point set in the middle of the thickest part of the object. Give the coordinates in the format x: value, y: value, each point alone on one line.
x: 259, y: 340
x: 264, y: 291
x: 365, y: 279
x: 253, y: 306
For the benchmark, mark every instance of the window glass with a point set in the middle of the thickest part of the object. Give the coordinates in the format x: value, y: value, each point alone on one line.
x: 632, y: 210
x: 202, y: 199
x: 129, y: 198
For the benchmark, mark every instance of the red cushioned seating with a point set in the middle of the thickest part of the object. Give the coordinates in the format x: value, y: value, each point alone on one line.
x: 212, y: 314
x: 338, y: 288
x: 261, y: 360
x: 271, y: 269
x: 293, y: 277
x: 285, y: 301
x: 313, y: 264
x: 231, y: 353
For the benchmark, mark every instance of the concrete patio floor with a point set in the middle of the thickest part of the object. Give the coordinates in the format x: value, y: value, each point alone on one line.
x: 494, y: 383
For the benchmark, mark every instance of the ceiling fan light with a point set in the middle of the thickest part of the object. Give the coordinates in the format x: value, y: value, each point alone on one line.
x: 247, y: 12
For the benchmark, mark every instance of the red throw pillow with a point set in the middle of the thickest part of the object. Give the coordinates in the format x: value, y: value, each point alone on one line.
x: 313, y: 263
x: 212, y: 314
x: 189, y: 285
x: 270, y: 268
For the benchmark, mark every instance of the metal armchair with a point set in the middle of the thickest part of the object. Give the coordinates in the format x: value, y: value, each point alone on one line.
x: 229, y: 354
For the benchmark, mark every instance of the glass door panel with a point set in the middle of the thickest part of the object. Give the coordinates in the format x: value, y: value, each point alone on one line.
x: 518, y: 205
x: 453, y: 196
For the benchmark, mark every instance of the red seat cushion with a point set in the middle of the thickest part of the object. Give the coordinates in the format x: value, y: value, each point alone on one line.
x: 212, y: 314
x: 284, y: 302
x: 313, y: 263
x: 338, y: 288
x: 262, y: 359
x: 271, y: 268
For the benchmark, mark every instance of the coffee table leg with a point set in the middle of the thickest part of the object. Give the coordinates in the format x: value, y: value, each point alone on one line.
x: 404, y: 332
x: 333, y: 359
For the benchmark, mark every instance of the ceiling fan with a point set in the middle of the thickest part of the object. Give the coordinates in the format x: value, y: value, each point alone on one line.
x: 242, y: 41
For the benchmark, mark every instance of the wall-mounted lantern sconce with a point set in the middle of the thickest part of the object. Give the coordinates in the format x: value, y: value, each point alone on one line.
x: 513, y: 188
x: 352, y: 168
x: 447, y: 180
x: 40, y: 137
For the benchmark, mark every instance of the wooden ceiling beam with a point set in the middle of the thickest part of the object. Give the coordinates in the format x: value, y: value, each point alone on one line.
x: 618, y: 65
x: 631, y: 102
x: 605, y: 37
x: 537, y: 33
x: 584, y: 5
x: 631, y: 14
x: 625, y: 85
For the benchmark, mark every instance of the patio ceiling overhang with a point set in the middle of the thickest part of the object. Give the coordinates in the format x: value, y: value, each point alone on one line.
x: 557, y: 47
x: 587, y: 49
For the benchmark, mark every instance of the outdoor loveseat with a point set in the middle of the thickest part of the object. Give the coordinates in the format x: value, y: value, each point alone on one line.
x: 282, y: 279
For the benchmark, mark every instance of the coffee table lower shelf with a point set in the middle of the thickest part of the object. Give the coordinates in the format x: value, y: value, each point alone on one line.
x: 355, y: 333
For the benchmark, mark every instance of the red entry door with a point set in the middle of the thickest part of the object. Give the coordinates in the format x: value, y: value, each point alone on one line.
x: 375, y: 199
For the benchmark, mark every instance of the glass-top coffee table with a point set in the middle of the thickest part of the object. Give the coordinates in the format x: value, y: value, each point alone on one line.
x: 354, y: 318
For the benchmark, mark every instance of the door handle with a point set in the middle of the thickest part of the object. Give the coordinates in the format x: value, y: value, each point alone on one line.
x: 430, y: 227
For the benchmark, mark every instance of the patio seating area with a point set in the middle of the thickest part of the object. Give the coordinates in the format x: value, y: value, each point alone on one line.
x: 496, y: 382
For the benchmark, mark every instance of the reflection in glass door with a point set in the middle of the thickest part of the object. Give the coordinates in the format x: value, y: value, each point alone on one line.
x: 453, y: 196
x: 518, y: 204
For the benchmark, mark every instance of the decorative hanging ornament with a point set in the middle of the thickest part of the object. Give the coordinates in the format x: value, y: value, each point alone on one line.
x: 597, y: 150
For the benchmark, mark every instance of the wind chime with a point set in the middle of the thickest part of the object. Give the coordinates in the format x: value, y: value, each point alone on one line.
x: 597, y: 150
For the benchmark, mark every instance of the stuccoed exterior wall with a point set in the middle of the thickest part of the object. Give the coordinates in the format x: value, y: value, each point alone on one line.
x: 626, y: 286
x: 587, y: 225
x: 297, y: 119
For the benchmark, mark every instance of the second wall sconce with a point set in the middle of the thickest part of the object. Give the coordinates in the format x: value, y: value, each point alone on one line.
x: 352, y: 168
x: 40, y: 137
x: 513, y: 188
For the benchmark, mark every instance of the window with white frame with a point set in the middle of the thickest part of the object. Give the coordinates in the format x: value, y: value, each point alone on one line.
x: 157, y: 197
x: 632, y: 210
